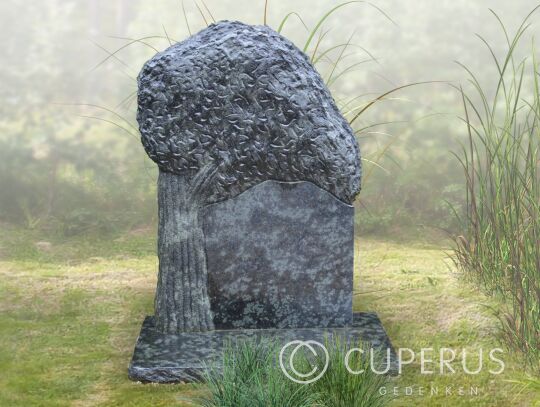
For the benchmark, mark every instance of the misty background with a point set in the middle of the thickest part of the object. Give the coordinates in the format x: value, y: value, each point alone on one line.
x: 71, y: 162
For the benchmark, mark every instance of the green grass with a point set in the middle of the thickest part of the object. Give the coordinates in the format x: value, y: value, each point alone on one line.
x: 499, y: 248
x: 251, y: 377
x: 423, y: 304
x: 338, y: 387
x: 69, y: 321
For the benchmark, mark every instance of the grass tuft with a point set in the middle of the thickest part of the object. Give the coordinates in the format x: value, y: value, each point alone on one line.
x: 500, y: 243
x: 251, y: 377
x: 339, y: 387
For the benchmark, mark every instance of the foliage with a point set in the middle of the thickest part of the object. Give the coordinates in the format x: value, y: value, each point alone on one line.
x: 339, y: 387
x: 63, y: 173
x: 59, y: 172
x: 251, y: 376
x: 529, y: 383
x: 500, y: 245
x: 70, y: 319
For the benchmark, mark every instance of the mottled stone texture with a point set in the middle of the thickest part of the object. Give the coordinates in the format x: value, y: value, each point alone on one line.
x: 280, y: 255
x: 244, y: 100
x: 219, y: 113
x: 182, y: 282
x: 169, y: 358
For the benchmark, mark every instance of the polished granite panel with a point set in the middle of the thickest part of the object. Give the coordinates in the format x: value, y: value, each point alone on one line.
x: 280, y: 255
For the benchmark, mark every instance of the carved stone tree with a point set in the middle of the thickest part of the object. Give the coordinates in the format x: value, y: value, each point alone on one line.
x: 228, y: 108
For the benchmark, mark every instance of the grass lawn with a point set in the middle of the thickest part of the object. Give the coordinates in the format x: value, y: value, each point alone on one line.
x: 71, y: 312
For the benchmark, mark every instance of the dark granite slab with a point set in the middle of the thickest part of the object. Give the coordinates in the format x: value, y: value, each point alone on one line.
x: 168, y: 358
x: 280, y: 255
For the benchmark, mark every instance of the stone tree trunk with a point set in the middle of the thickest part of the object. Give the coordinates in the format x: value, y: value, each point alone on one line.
x: 182, y: 302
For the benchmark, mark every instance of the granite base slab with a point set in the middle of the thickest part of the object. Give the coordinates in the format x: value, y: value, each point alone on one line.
x: 170, y: 358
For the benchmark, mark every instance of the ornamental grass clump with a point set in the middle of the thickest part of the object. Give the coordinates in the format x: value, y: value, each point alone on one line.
x: 500, y: 244
x: 251, y: 376
x: 350, y: 380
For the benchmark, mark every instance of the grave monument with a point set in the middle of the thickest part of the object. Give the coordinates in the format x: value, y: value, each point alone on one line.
x: 258, y: 171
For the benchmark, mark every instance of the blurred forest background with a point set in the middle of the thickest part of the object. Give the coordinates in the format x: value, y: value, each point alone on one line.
x: 70, y: 159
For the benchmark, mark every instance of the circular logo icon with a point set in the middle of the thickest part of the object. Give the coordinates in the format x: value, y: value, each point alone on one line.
x: 289, y: 369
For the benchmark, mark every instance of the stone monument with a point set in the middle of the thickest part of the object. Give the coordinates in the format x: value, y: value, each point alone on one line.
x: 257, y: 173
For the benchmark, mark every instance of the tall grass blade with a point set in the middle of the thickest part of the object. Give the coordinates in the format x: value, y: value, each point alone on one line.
x: 499, y: 247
